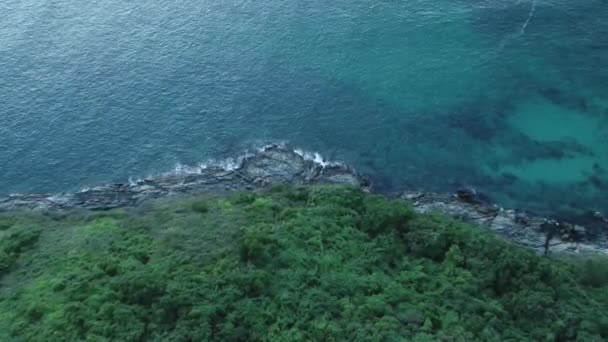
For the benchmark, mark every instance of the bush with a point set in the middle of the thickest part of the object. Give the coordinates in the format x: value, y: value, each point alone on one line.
x: 594, y: 272
x: 13, y: 242
x: 257, y: 244
x: 381, y: 216
x: 200, y: 207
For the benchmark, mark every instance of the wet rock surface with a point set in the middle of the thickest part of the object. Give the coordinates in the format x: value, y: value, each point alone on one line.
x: 277, y: 164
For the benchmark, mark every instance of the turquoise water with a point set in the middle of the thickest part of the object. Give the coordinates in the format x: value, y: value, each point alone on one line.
x: 506, y: 96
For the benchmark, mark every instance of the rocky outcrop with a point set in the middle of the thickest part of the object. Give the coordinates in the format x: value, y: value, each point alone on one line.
x: 541, y: 234
x: 277, y: 164
x: 271, y: 165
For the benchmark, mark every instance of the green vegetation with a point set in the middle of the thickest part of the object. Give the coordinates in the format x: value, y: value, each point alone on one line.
x: 200, y: 206
x: 13, y: 240
x: 292, y: 264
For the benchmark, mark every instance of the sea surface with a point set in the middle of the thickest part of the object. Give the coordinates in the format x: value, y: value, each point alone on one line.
x: 508, y: 97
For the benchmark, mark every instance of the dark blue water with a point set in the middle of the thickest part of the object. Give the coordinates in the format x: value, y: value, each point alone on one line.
x: 505, y: 96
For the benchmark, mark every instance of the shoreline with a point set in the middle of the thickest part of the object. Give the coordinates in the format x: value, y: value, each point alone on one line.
x: 278, y: 164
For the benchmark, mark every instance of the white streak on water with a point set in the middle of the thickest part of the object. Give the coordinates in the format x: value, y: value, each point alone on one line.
x: 530, y: 16
x: 506, y: 40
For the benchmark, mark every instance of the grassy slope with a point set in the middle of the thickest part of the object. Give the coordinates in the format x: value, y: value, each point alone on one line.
x: 317, y: 263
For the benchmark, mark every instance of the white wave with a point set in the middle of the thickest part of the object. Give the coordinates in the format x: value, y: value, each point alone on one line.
x: 228, y: 164
x: 181, y: 169
x: 57, y: 198
x: 316, y: 157
x: 267, y: 146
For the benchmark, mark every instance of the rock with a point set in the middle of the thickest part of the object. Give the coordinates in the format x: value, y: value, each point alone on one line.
x: 504, y: 222
x: 277, y: 164
x: 272, y: 165
x: 451, y: 206
x: 580, y: 230
x: 542, y: 235
x: 412, y: 196
x: 600, y: 216
x: 467, y: 195
x: 145, y: 188
x: 521, y: 218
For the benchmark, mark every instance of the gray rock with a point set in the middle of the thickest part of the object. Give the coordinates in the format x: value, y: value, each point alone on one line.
x: 272, y: 165
x: 276, y: 164
x: 516, y: 226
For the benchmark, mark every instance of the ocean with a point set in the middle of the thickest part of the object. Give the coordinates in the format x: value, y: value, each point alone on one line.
x: 507, y: 97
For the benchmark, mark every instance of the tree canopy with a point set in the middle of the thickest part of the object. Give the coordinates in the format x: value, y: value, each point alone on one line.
x: 290, y: 264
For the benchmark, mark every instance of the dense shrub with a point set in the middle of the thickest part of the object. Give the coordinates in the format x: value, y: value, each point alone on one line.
x: 594, y: 272
x: 200, y: 207
x: 13, y: 241
x: 381, y: 216
x: 293, y: 264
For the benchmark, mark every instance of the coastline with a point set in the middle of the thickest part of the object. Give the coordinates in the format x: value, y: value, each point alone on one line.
x: 278, y: 164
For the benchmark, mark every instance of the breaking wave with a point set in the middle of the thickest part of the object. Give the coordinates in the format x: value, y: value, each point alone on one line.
x: 234, y: 163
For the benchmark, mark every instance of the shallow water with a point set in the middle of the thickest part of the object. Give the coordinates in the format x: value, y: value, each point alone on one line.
x: 506, y: 96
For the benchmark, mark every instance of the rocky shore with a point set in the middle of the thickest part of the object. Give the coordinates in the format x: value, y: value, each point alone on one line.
x: 277, y: 164
x: 270, y: 165
x: 544, y: 235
